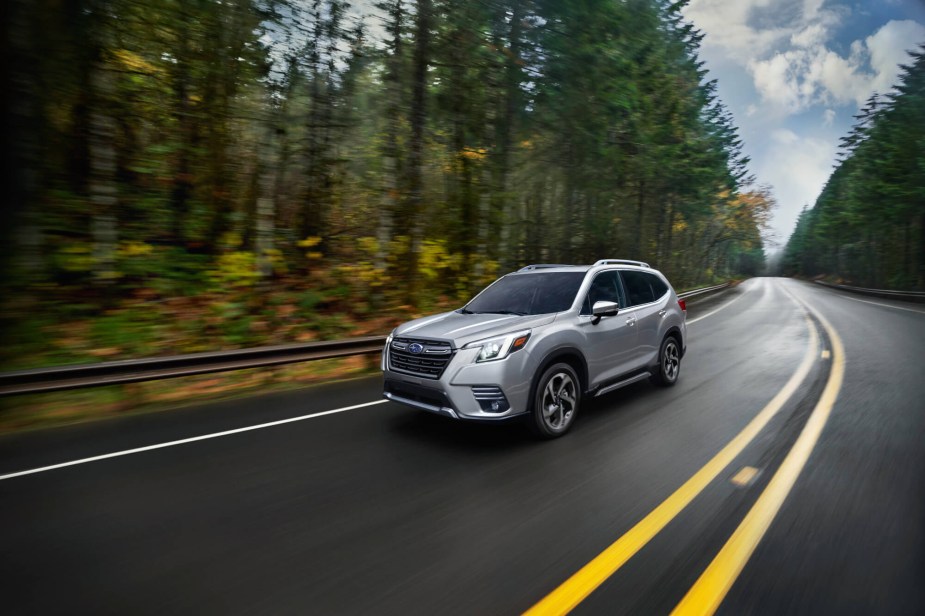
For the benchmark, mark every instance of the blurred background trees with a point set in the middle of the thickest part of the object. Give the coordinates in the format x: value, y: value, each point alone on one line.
x: 194, y: 174
x: 868, y: 225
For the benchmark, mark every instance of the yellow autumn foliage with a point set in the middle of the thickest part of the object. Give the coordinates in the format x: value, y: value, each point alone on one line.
x: 133, y: 62
x: 134, y: 249
x: 309, y: 242
x: 235, y: 269
x: 474, y: 153
x: 434, y: 259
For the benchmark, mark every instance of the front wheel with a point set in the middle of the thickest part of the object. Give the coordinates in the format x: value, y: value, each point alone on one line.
x: 669, y: 363
x: 555, y: 401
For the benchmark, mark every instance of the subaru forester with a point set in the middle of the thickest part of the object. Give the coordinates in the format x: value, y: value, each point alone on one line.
x: 538, y: 341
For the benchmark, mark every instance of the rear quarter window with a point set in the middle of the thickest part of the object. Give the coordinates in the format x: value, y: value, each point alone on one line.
x: 642, y: 287
x: 659, y: 287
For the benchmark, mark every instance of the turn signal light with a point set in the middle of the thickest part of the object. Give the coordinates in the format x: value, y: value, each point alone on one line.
x: 520, y: 342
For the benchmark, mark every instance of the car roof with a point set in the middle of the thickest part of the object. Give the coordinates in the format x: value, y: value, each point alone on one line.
x: 602, y: 264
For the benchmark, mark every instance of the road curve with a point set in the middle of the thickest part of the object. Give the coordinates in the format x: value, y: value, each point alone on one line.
x: 382, y: 509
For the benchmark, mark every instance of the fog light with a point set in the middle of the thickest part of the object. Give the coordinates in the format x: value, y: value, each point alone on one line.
x: 491, y: 399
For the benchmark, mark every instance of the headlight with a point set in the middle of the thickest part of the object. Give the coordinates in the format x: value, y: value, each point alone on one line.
x: 501, y: 346
x: 385, y: 351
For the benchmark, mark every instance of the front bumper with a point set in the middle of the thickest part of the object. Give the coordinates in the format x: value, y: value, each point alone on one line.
x: 460, y: 392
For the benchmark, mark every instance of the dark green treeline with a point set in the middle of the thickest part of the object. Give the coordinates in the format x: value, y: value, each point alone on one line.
x: 868, y: 225
x: 171, y: 145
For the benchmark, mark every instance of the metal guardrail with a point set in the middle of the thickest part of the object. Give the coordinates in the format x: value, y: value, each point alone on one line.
x: 912, y: 296
x: 44, y: 380
x: 696, y: 292
x: 135, y: 370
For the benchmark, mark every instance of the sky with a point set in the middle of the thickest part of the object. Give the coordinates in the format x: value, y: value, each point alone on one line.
x: 793, y: 73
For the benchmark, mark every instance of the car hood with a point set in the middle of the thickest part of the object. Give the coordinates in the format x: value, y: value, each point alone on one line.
x: 462, y: 329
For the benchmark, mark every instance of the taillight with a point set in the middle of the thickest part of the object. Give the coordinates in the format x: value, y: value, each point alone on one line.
x: 682, y: 304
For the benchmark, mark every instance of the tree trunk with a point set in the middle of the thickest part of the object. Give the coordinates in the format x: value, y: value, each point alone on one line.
x: 266, y: 206
x: 416, y: 145
x: 312, y: 206
x: 505, y: 135
x: 669, y: 237
x: 640, y: 211
x: 182, y: 177
x: 391, y: 163
x: 103, y: 180
x: 23, y: 132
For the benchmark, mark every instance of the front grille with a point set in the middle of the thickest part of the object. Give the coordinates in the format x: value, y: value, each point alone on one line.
x: 417, y: 393
x: 429, y: 362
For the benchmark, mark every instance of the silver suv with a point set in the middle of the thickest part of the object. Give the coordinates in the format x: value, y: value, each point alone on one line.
x: 536, y: 341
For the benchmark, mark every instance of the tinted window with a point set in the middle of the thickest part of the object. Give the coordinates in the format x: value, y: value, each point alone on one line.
x: 604, y: 288
x: 638, y: 287
x: 659, y: 287
x: 534, y: 293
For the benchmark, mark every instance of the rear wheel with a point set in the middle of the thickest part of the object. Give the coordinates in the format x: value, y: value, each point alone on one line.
x: 669, y: 363
x: 555, y: 401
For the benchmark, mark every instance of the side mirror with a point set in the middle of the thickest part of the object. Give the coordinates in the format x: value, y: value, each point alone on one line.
x: 603, y: 309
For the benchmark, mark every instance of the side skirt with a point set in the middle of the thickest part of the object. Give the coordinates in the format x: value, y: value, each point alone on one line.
x: 623, y: 383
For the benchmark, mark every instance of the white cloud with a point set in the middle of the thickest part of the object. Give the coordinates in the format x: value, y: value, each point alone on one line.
x: 841, y: 80
x: 797, y: 167
x: 785, y: 48
x: 726, y: 25
x: 888, y: 48
x: 828, y: 117
x: 772, y: 81
x: 732, y: 25
x: 812, y: 8
x: 811, y: 74
x: 814, y: 34
x: 784, y: 136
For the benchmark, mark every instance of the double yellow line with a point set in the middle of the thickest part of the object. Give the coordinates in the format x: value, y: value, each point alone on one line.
x: 713, y: 585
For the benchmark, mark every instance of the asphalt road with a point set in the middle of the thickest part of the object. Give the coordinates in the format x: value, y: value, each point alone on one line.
x: 386, y: 510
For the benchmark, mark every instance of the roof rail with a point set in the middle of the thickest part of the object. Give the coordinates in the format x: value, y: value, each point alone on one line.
x: 537, y: 266
x: 621, y: 262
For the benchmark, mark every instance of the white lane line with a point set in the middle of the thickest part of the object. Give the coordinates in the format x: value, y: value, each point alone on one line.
x: 864, y: 301
x: 726, y: 305
x: 204, y: 437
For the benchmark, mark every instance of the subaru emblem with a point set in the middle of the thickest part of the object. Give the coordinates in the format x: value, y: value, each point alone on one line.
x: 416, y: 348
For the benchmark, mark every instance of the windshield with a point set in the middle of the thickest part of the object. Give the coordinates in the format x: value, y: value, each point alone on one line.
x: 534, y: 293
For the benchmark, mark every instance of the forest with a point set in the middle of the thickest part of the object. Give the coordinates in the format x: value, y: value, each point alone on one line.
x: 193, y: 175
x: 867, y: 227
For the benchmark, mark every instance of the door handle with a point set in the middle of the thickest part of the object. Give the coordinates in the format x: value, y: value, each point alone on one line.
x: 631, y: 321
x: 662, y: 313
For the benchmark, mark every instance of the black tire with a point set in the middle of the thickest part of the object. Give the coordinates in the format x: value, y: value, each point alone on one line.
x: 669, y: 363
x: 555, y: 401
